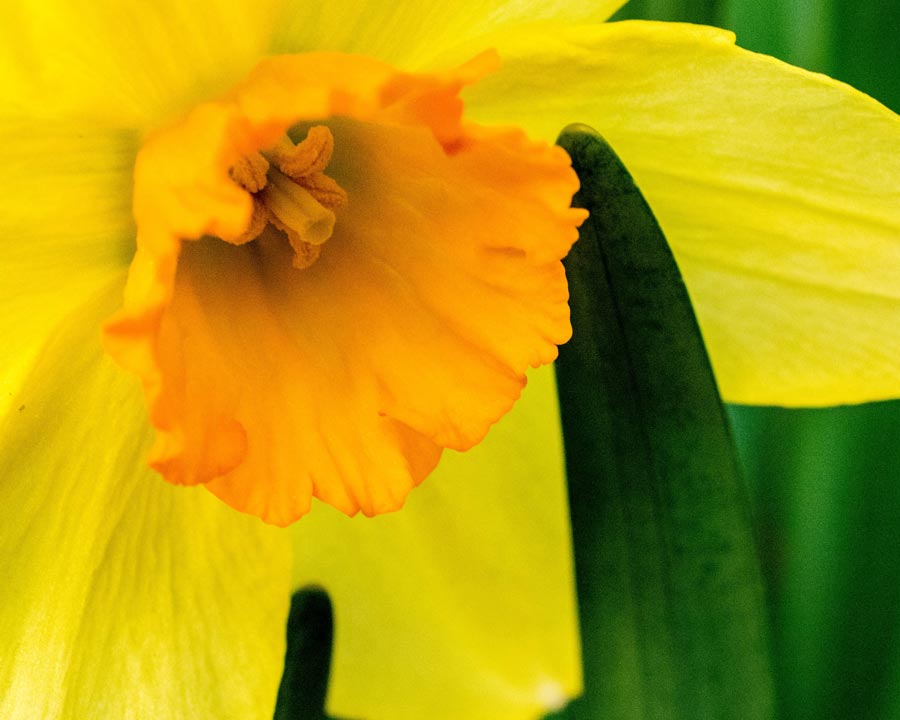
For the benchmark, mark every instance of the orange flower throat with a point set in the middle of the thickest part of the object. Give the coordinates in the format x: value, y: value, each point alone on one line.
x: 423, y: 299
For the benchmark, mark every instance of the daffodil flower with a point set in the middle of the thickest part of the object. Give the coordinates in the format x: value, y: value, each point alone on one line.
x: 334, y: 274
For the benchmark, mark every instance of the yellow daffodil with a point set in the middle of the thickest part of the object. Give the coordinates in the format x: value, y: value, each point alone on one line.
x: 334, y: 274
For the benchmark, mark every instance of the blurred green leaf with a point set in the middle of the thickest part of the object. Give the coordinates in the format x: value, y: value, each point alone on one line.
x: 857, y: 41
x: 827, y: 484
x: 696, y: 11
x: 672, y: 613
x: 865, y: 47
x: 307, y: 661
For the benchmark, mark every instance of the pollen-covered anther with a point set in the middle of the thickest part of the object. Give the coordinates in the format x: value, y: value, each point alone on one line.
x: 325, y: 190
x: 250, y: 172
x: 291, y: 192
x: 311, y: 155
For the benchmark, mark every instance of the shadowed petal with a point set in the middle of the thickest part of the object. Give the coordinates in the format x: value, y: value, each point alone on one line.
x: 66, y: 229
x: 462, y: 604
x: 123, y: 596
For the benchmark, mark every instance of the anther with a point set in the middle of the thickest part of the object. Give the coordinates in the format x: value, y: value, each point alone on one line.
x: 325, y: 190
x: 291, y: 191
x: 250, y: 172
x: 311, y: 155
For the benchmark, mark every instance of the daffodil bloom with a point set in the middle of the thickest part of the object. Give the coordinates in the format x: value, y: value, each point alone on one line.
x: 334, y: 274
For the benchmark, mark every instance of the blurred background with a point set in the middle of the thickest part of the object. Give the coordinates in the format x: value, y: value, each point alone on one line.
x: 825, y: 483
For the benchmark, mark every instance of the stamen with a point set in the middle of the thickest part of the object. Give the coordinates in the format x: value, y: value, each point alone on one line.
x: 325, y: 190
x: 309, y: 156
x: 250, y: 172
x: 291, y: 191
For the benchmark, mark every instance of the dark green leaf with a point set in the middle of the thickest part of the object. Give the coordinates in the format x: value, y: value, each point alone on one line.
x: 307, y: 661
x: 671, y: 602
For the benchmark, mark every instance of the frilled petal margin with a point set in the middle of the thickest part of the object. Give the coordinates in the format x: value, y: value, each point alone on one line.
x: 123, y: 596
x: 440, y: 286
x: 778, y: 189
x: 462, y: 604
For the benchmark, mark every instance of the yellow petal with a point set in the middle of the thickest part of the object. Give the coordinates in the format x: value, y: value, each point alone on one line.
x: 133, y: 63
x: 123, y: 597
x: 127, y: 62
x: 462, y: 604
x: 66, y: 229
x: 411, y: 33
x: 778, y: 189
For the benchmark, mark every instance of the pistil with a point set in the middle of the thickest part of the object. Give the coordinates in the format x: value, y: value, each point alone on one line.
x: 291, y: 192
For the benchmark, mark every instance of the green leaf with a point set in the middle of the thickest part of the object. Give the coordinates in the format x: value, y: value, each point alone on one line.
x: 826, y: 479
x: 827, y: 485
x: 307, y: 661
x: 695, y: 11
x: 672, y: 611
x: 865, y: 47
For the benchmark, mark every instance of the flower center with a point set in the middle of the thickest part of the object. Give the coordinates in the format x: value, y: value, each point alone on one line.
x: 412, y: 332
x: 291, y: 191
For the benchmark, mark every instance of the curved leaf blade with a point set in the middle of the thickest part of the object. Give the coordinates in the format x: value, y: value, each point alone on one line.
x: 672, y: 609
